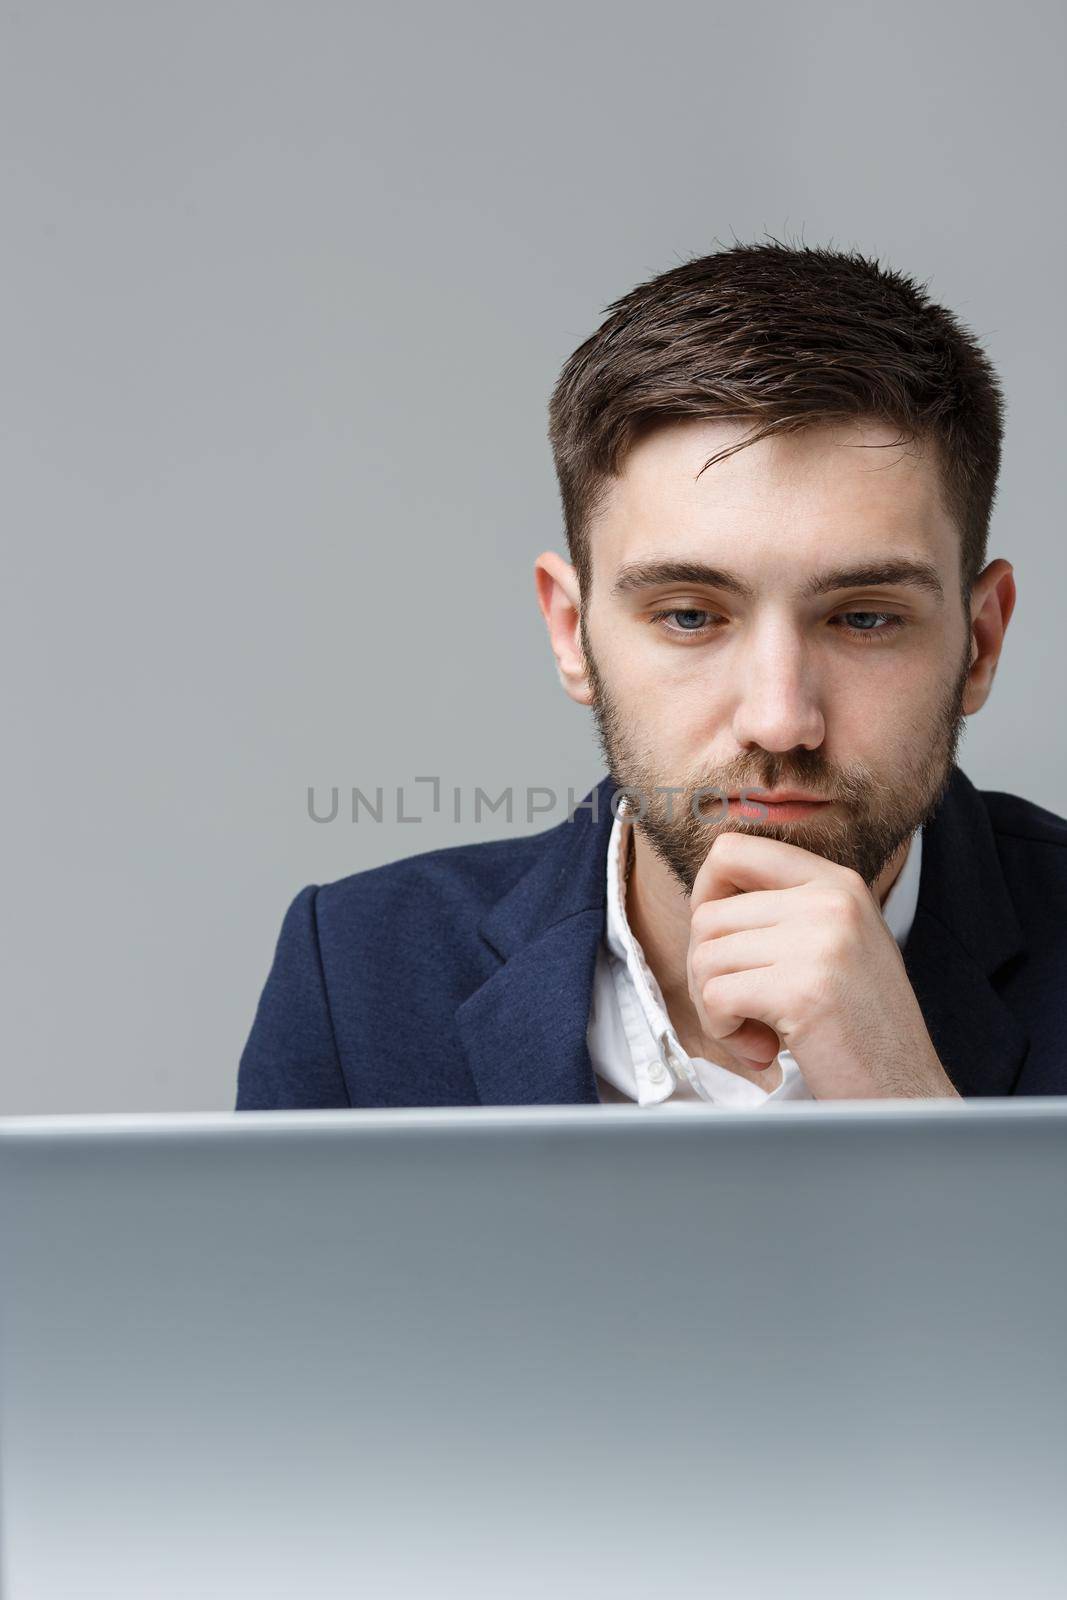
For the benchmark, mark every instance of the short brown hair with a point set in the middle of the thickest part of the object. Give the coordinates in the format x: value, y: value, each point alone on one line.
x: 783, y: 337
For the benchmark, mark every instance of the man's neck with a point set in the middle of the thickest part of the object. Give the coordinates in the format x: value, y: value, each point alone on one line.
x: 659, y: 914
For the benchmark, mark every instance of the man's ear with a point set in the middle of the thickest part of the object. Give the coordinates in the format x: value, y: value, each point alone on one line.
x: 560, y: 601
x: 992, y: 603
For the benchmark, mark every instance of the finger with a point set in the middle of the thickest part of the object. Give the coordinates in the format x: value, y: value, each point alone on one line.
x: 729, y: 1001
x: 754, y: 1040
x: 758, y: 908
x: 757, y: 1044
x: 740, y: 862
x: 742, y: 951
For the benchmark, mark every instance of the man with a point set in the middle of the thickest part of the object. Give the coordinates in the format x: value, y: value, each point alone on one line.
x: 777, y: 468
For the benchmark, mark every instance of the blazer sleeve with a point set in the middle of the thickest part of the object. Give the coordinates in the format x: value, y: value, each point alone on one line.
x: 290, y: 1060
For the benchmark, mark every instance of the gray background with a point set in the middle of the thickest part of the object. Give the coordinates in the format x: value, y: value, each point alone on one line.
x: 285, y: 291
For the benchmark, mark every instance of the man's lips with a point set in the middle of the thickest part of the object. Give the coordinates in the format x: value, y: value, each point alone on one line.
x: 785, y: 805
x: 776, y: 796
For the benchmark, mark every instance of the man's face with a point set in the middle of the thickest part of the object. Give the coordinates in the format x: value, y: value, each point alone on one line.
x: 766, y: 684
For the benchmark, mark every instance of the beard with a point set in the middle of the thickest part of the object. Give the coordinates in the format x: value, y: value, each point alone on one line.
x: 873, y: 817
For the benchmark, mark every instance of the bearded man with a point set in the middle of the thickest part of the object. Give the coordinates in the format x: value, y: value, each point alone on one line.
x: 777, y: 467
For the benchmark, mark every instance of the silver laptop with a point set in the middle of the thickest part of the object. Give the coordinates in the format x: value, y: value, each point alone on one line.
x: 811, y: 1350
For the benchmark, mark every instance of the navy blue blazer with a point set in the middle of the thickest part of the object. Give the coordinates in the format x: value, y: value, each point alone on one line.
x: 463, y: 976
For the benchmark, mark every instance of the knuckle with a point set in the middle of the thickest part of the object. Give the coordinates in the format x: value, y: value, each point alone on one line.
x: 698, y: 968
x: 843, y: 907
x: 707, y: 996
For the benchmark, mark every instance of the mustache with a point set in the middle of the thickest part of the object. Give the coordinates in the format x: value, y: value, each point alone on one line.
x: 817, y: 778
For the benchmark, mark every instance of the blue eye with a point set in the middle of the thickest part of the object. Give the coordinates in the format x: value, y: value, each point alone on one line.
x: 864, y: 635
x: 690, y: 620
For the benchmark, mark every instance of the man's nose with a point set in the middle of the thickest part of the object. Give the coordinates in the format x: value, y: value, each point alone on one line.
x: 777, y: 700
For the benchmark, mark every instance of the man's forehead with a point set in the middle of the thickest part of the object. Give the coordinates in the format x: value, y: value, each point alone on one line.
x: 815, y: 488
x: 850, y: 459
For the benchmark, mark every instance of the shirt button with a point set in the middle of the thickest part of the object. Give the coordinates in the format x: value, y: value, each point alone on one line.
x: 657, y: 1073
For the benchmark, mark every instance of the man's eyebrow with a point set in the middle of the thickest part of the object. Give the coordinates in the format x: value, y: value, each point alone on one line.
x: 647, y: 574
x: 877, y: 574
x: 636, y: 575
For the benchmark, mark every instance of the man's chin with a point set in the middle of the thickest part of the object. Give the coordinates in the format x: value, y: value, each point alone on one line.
x: 859, y: 855
x: 841, y: 839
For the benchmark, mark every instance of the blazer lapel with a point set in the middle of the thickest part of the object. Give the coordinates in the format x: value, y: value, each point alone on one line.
x: 524, y: 1029
x: 965, y: 931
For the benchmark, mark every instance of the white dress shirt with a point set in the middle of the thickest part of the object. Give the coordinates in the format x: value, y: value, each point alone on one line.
x: 637, y: 1056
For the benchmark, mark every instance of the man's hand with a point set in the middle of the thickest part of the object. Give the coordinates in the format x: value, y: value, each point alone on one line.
x: 790, y: 951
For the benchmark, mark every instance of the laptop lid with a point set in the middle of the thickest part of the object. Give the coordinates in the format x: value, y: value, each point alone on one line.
x: 812, y: 1350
